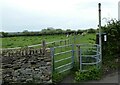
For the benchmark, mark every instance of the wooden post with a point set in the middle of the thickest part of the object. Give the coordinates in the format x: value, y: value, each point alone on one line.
x: 43, y: 46
x: 61, y: 45
x: 68, y: 41
x: 65, y: 42
x: 54, y: 44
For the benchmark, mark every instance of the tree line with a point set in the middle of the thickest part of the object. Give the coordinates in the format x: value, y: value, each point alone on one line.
x: 48, y: 31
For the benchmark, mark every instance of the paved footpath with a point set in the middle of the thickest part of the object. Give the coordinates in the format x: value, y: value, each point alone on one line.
x: 110, y: 78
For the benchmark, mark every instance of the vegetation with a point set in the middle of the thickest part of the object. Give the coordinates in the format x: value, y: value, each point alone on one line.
x: 92, y: 74
x: 21, y: 41
x: 48, y: 31
x: 57, y: 77
x: 76, y: 38
x: 111, y: 47
x: 10, y: 42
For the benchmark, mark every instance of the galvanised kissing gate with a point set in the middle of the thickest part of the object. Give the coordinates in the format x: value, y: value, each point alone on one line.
x: 64, y: 57
x: 89, y: 56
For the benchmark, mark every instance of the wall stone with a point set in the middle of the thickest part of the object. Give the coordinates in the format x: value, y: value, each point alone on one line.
x: 27, y: 65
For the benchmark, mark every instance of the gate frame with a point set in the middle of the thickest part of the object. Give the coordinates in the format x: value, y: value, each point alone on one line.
x: 98, y: 54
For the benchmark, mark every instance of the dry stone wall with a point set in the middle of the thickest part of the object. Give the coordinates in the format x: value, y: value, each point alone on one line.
x: 28, y: 65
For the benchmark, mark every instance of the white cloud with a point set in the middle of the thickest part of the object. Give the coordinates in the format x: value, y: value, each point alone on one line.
x: 56, y: 13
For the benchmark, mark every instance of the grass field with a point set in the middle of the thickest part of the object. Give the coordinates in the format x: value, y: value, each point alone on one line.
x: 11, y: 42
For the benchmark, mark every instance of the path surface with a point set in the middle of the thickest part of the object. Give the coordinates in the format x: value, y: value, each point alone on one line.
x: 110, y: 78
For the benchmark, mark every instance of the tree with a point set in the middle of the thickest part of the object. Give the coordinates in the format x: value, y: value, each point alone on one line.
x: 44, y: 31
x: 25, y: 32
x: 91, y: 30
x: 4, y: 34
x: 68, y: 31
x: 80, y: 31
x: 59, y: 31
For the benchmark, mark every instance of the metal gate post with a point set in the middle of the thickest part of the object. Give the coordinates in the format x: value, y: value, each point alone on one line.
x: 72, y: 54
x: 97, y: 60
x: 80, y: 60
x: 78, y: 57
x: 100, y: 41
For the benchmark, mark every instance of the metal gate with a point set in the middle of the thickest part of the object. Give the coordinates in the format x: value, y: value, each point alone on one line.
x: 89, y: 56
x: 63, y: 58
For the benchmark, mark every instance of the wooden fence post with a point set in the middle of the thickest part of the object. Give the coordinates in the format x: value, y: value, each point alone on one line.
x: 61, y: 45
x: 65, y: 42
x: 43, y: 47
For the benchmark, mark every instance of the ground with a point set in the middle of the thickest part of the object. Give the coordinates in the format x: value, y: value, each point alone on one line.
x: 109, y: 78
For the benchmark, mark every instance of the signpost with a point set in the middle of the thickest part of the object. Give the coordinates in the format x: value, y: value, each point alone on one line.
x: 119, y: 10
x: 100, y: 43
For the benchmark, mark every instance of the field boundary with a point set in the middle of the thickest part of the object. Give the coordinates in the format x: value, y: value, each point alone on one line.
x: 36, y: 44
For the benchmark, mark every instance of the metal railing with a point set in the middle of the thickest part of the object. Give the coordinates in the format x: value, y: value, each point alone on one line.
x: 63, y: 58
x: 89, y: 56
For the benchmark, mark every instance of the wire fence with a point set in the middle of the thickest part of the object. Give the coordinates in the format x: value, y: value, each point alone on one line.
x: 49, y: 44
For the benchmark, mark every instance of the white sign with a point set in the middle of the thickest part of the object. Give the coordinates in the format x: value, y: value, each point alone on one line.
x: 105, y: 37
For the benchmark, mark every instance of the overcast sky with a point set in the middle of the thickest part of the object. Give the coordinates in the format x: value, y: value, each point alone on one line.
x: 34, y: 15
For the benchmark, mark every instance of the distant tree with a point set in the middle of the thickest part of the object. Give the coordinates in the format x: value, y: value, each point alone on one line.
x: 26, y: 32
x: 60, y: 31
x: 4, y: 34
x: 44, y: 31
x: 50, y: 30
x: 79, y: 31
x: 68, y: 31
x: 91, y: 30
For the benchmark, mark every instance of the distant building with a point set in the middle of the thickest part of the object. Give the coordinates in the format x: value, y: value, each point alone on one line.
x: 119, y: 10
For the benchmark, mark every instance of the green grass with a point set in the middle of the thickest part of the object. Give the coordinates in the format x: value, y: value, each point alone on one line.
x: 22, y: 41
x: 88, y: 38
x: 11, y: 42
